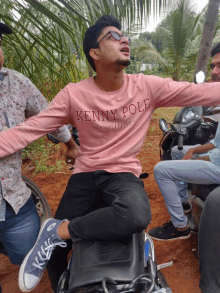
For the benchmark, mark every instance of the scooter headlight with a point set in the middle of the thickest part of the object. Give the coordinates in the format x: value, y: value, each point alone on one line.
x: 188, y: 115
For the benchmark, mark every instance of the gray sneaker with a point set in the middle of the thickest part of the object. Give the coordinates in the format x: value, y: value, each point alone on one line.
x: 32, y: 268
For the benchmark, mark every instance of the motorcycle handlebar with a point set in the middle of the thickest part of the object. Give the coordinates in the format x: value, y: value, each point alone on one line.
x: 180, y: 142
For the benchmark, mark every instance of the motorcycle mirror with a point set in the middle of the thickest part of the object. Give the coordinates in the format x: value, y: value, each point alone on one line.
x: 200, y: 77
x: 163, y: 125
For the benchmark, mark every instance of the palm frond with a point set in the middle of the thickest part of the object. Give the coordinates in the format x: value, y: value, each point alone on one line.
x: 47, y: 40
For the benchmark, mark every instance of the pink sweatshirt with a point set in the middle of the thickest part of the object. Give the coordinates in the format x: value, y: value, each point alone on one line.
x: 111, y: 125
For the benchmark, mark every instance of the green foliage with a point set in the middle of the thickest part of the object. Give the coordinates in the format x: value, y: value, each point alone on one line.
x: 154, y: 37
x: 173, y: 48
x: 47, y: 42
x: 40, y: 153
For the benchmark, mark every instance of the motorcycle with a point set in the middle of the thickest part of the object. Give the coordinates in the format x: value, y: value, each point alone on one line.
x: 191, y: 126
x: 188, y: 127
x: 122, y: 265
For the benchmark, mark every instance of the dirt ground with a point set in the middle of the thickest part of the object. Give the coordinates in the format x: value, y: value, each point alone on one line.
x: 182, y: 276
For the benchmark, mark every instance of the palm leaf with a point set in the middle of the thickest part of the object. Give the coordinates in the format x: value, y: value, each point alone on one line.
x: 47, y: 39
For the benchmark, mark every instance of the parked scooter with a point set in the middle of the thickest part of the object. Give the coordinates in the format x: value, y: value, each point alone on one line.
x: 188, y: 127
x: 191, y: 126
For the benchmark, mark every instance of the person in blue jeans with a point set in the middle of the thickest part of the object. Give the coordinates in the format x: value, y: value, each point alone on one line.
x: 19, y: 220
x: 198, y: 164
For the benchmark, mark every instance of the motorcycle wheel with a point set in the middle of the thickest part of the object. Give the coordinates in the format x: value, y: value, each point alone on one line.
x: 39, y: 199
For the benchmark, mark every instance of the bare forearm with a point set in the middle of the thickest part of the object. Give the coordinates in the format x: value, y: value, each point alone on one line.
x: 72, y: 151
x: 203, y: 148
x: 71, y: 144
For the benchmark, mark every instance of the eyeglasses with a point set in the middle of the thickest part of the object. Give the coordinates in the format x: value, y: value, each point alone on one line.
x: 116, y: 36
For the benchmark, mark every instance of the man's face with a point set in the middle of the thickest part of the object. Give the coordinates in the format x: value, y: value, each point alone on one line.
x: 215, y: 65
x: 1, y: 55
x: 112, y: 51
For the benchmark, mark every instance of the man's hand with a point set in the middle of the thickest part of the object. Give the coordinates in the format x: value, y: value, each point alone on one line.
x: 203, y: 158
x: 71, y: 155
x: 72, y: 152
x: 200, y: 149
x: 189, y: 154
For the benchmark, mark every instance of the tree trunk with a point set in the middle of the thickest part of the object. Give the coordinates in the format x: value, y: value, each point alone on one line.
x: 207, y: 35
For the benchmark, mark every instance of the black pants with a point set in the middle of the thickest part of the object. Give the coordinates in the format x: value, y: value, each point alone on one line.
x: 126, y: 210
x: 209, y: 244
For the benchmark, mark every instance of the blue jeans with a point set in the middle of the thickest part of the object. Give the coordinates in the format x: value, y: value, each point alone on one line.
x: 192, y: 171
x: 18, y: 233
x: 181, y: 185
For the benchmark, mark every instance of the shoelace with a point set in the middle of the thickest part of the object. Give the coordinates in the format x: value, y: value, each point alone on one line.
x: 45, y: 253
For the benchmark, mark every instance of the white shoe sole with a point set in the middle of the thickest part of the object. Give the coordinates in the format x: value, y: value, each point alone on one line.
x: 172, y: 239
x: 21, y: 271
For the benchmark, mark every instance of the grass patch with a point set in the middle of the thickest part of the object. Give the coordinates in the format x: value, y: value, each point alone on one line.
x: 166, y: 113
x: 152, y: 129
x: 42, y: 152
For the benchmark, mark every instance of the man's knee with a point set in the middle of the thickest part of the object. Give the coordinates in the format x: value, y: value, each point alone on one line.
x: 142, y: 220
x: 158, y: 169
x: 138, y: 217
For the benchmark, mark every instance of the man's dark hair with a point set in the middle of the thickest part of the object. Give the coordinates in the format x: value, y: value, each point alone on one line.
x: 215, y: 50
x: 93, y: 32
x: 4, y: 29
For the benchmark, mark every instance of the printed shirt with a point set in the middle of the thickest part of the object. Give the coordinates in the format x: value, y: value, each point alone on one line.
x: 111, y: 125
x: 19, y: 99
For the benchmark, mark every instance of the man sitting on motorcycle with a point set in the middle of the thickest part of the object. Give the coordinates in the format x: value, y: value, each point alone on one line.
x: 194, y: 164
x: 112, y: 113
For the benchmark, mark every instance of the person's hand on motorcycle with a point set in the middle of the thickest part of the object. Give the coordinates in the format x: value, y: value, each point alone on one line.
x: 71, y: 152
x: 189, y: 154
x: 199, y: 149
x: 203, y: 158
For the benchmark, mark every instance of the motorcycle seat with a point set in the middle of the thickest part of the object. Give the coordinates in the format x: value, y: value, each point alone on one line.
x: 121, y: 260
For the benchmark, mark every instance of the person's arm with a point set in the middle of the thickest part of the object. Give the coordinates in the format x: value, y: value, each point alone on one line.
x: 36, y: 103
x: 169, y: 93
x: 199, y: 150
x: 72, y: 151
x: 56, y: 115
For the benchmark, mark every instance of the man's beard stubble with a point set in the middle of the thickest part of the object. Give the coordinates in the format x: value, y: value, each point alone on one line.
x: 123, y: 62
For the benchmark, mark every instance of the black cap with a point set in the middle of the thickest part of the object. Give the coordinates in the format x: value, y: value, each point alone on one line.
x: 4, y: 29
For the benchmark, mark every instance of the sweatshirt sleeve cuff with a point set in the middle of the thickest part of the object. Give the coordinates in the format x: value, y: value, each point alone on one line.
x: 62, y: 134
